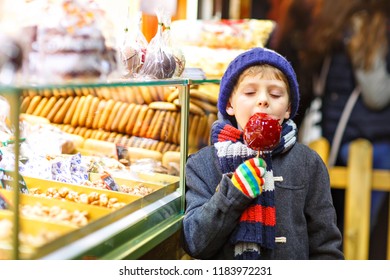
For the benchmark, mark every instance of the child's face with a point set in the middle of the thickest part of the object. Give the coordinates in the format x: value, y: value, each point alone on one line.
x: 259, y: 94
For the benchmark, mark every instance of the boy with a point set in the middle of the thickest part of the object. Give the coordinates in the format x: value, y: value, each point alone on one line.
x: 289, y: 218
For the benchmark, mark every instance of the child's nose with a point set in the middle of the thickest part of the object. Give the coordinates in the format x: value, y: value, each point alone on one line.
x: 262, y: 99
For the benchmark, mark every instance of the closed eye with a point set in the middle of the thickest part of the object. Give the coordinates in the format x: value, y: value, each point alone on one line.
x: 276, y: 92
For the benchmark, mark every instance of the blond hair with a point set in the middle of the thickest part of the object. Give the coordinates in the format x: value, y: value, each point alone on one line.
x: 264, y: 71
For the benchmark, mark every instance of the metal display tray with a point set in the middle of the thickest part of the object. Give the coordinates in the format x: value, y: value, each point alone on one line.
x: 100, y: 217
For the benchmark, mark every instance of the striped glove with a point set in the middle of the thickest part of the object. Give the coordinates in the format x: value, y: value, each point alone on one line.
x: 248, y: 176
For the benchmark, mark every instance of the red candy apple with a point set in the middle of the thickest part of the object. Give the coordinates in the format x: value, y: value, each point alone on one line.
x: 262, y: 132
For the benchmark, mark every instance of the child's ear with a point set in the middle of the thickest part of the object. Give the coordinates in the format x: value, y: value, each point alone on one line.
x: 229, y: 109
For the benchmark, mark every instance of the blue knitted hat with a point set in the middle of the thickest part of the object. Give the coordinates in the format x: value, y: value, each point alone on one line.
x: 256, y: 56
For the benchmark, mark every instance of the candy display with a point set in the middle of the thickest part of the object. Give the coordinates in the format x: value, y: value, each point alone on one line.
x: 133, y: 50
x: 26, y: 239
x: 92, y: 198
x: 139, y: 189
x: 176, y: 51
x: 70, y: 91
x: 159, y: 62
x: 55, y: 214
x: 262, y: 132
x: 228, y: 34
x: 212, y: 44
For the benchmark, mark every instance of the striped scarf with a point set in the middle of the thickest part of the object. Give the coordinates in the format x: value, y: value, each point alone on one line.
x: 256, y: 228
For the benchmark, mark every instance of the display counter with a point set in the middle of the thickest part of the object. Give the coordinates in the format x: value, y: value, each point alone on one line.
x: 141, y: 222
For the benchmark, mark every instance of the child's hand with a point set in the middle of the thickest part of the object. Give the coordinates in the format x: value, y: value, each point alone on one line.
x: 248, y: 177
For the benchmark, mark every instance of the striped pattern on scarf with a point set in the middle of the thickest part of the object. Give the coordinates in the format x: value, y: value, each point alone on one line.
x: 256, y: 228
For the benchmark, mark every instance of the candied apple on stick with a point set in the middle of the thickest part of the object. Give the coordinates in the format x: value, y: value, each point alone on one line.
x: 262, y: 133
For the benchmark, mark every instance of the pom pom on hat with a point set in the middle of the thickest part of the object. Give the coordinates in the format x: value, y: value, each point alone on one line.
x: 256, y: 56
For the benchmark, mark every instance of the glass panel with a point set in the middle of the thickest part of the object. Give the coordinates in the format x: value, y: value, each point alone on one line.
x: 148, y: 126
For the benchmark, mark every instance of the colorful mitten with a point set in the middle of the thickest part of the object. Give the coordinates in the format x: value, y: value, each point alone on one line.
x: 248, y: 176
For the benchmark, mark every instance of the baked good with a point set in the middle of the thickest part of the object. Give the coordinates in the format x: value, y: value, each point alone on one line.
x: 128, y: 94
x: 140, y: 120
x: 160, y: 92
x: 154, y: 94
x: 124, y: 119
x: 193, y: 124
x: 59, y: 117
x: 131, y: 120
x: 33, y: 104
x: 98, y: 113
x: 111, y: 117
x: 160, y: 146
x: 158, y: 126
x: 92, y: 112
x: 200, y: 131
x: 33, y: 120
x: 106, y: 113
x: 57, y: 106
x: 208, y: 107
x: 146, y: 94
x: 84, y: 110
x: 70, y: 44
x: 40, y: 106
x: 88, y: 133
x: 162, y: 105
x: 138, y: 95
x: 75, y: 118
x: 194, y: 109
x: 25, y: 102
x: 118, y: 117
x: 100, y: 147
x: 164, y: 132
x: 141, y: 153
x: 176, y: 129
x: 172, y: 123
x: 149, y: 133
x: 147, y: 122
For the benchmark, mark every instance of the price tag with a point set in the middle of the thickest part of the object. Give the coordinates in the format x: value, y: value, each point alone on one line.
x: 4, y: 203
x: 110, y: 182
x: 123, y: 155
x: 7, y: 177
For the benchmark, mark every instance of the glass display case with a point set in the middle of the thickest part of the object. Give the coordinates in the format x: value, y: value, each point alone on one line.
x: 134, y: 223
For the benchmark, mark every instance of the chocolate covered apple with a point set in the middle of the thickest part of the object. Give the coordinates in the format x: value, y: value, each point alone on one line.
x: 262, y: 132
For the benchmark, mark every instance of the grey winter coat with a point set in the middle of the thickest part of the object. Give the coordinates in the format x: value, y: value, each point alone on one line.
x: 305, y: 216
